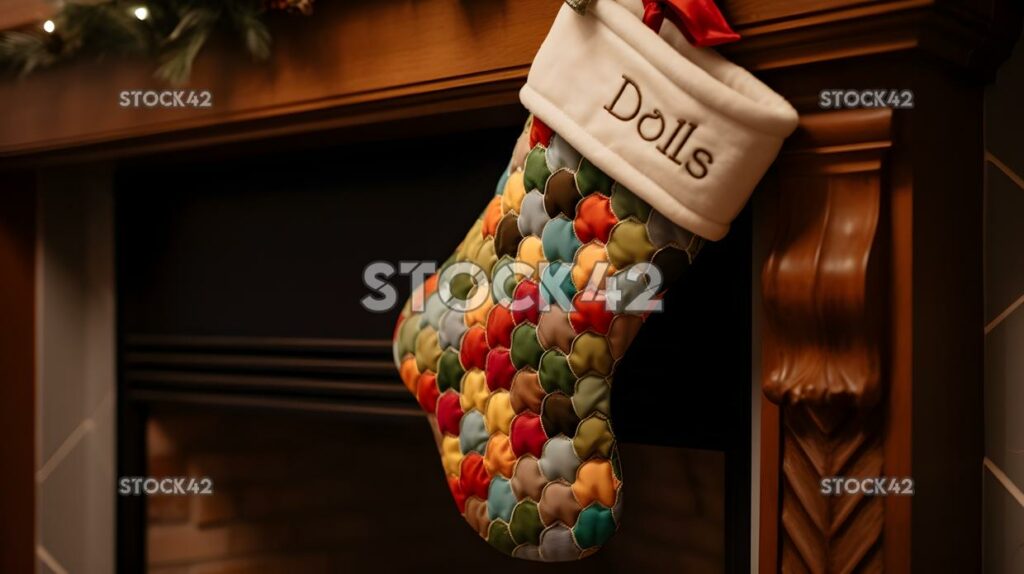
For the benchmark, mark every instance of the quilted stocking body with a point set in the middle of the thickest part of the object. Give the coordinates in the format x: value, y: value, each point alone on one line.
x: 511, y: 349
x: 518, y: 386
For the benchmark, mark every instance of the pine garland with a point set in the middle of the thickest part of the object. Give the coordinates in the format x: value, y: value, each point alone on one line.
x: 172, y: 32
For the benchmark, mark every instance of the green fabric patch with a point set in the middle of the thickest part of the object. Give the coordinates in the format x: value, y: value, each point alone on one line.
x: 554, y: 372
x: 594, y: 527
x: 593, y: 436
x: 536, y: 173
x: 625, y: 204
x: 526, y: 350
x: 498, y: 536
x: 526, y: 525
x: 510, y: 281
x: 628, y: 244
x: 592, y: 395
x: 616, y: 466
x: 449, y: 371
x: 590, y: 179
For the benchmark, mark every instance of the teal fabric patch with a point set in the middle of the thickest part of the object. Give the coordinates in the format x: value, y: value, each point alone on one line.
x: 559, y: 240
x: 500, y: 189
x: 472, y: 433
x: 556, y: 285
x: 500, y: 499
x: 595, y: 526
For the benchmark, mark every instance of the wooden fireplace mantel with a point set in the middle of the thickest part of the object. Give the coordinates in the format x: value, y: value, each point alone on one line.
x: 870, y: 287
x: 360, y: 63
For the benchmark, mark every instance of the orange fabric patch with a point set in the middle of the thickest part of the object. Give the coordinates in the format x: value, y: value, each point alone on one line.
x: 478, y: 316
x: 409, y: 373
x: 595, y: 481
x: 426, y: 392
x: 430, y: 286
x: 594, y: 218
x: 492, y: 215
x: 499, y: 458
x: 587, y: 258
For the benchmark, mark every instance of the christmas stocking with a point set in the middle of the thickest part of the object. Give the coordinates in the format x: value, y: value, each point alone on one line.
x: 640, y: 146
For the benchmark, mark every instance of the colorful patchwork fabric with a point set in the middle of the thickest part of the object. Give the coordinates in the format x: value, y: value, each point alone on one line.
x: 513, y: 350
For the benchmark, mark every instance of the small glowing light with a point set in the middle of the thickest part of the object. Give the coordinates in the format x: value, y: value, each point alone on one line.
x: 141, y: 13
x: 49, y: 26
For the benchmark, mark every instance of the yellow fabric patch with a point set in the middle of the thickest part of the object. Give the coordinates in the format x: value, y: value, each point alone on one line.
x: 515, y: 191
x: 531, y: 251
x: 485, y: 257
x: 451, y: 455
x: 474, y: 391
x: 498, y: 457
x: 470, y: 246
x: 499, y: 413
x: 478, y: 316
x: 595, y: 481
x: 428, y: 351
x: 587, y: 257
x: 590, y: 354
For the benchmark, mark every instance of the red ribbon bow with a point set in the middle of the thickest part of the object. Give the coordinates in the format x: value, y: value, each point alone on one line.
x: 699, y: 20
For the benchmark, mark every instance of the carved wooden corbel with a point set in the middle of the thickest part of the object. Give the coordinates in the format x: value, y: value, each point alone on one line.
x: 822, y: 359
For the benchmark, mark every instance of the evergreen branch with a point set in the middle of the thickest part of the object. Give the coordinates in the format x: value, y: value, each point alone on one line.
x: 174, y: 33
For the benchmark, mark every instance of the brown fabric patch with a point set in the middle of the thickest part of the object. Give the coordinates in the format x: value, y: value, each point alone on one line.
x: 554, y: 329
x: 476, y: 515
x: 557, y: 504
x: 558, y: 416
x: 527, y: 479
x: 507, y: 237
x: 561, y: 195
x: 672, y: 263
x: 526, y: 393
x: 621, y: 333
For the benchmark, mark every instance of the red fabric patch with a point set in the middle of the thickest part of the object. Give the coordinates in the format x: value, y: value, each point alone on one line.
x: 526, y: 435
x: 426, y: 391
x: 594, y: 218
x: 449, y: 413
x: 473, y: 477
x: 499, y: 327
x: 526, y: 302
x: 473, y: 354
x: 500, y: 369
x: 457, y: 494
x: 540, y: 133
x: 590, y: 314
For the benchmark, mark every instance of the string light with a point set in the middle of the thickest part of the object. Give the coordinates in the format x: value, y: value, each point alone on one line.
x: 141, y: 12
x: 49, y: 26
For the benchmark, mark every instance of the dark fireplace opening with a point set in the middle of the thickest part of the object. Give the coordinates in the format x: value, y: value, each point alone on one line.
x: 245, y: 356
